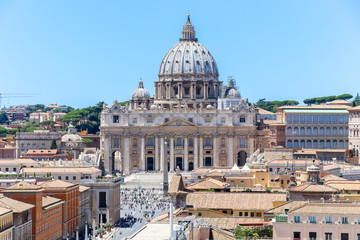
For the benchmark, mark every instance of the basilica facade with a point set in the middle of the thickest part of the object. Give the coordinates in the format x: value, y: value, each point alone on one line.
x: 202, y: 121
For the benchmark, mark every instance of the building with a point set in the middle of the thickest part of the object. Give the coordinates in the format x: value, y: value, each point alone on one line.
x: 7, y: 152
x: 317, y: 126
x: 69, y: 194
x: 68, y: 174
x: 104, y: 195
x: 354, y: 130
x: 85, y: 214
x: 42, y: 154
x: 212, y: 204
x: 183, y: 113
x: 14, y: 166
x: 6, y: 226
x: 328, y: 221
x: 38, y: 117
x: 39, y: 139
x: 22, y: 218
x: 47, y: 213
x: 16, y: 114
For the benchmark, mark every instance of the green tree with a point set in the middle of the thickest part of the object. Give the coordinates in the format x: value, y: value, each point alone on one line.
x: 3, y: 118
x: 344, y: 96
x: 53, y: 144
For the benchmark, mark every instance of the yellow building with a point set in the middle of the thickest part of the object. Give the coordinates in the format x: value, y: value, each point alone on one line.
x: 6, y: 224
x: 259, y: 179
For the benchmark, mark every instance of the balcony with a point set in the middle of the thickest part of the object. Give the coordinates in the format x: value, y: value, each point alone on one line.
x: 179, y: 147
x: 149, y: 147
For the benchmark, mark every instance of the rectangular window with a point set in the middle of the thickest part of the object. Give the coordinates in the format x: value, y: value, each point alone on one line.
x: 302, y: 118
x: 344, y: 236
x: 115, y: 119
x: 312, y: 235
x: 242, y: 119
x: 191, y: 119
x: 344, y: 220
x: 116, y: 142
x: 102, y: 199
x: 67, y: 178
x: 289, y: 119
x: 240, y: 214
x: 149, y: 120
x: 252, y: 214
x: 328, y: 118
x: 166, y: 119
x: 59, y: 177
x: 14, y: 169
x: 74, y: 178
x: 312, y: 219
x: 134, y: 120
x: 297, y: 235
x: 315, y: 119
x: 222, y: 120
x: 328, y: 236
x: 308, y: 118
x: 246, y: 214
x: 328, y: 219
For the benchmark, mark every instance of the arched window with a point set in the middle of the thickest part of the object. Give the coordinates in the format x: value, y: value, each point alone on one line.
x: 346, y: 131
x: 328, y: 131
x: 341, y: 144
x: 308, y: 131
x: 308, y: 144
x: 315, y: 131
x: 335, y: 131
x: 322, y: 131
x: 346, y: 144
x: 242, y: 119
x: 289, y: 131
x: 178, y: 142
x: 341, y: 131
x: 328, y: 144
x: 335, y: 144
x: 242, y: 142
x: 302, y: 131
x: 296, y: 131
x: 223, y: 142
x: 116, y: 142
x: 322, y: 144
x: 296, y: 144
x: 302, y: 143
x: 316, y: 144
x: 150, y: 142
x: 208, y: 142
x: 289, y: 144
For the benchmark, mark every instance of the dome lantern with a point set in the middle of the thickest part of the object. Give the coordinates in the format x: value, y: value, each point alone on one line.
x: 188, y: 32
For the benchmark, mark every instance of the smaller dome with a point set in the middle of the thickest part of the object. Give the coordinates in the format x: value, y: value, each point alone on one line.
x: 141, y: 92
x: 71, y: 138
x: 209, y: 107
x: 233, y: 93
x: 153, y: 107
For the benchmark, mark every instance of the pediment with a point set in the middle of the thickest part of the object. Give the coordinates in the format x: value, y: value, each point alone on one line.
x: 179, y: 122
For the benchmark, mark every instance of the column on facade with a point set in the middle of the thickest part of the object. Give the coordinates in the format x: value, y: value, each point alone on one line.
x: 196, y: 152
x: 157, y: 162
x: 142, y: 153
x: 172, y: 153
x: 215, y: 151
x: 186, y: 153
x: 251, y: 145
x: 127, y: 154
x: 205, y: 90
x: 230, y: 153
x: 107, y: 155
x: 180, y: 90
x: 201, y: 148
x: 162, y: 153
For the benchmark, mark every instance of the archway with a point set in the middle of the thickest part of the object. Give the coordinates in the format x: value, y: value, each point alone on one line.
x: 242, y: 155
x: 179, y: 162
x: 150, y: 164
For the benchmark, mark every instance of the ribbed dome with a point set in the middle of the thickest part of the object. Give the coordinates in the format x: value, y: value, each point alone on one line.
x: 233, y: 93
x: 141, y: 92
x: 188, y: 57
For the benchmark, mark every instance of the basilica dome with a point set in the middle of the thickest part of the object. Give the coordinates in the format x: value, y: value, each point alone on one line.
x: 188, y: 57
x: 233, y: 93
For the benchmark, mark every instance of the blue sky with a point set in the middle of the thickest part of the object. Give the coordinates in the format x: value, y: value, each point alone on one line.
x: 81, y: 52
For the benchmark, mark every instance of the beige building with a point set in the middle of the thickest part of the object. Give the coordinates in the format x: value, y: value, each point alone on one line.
x: 321, y: 221
x: 6, y: 224
x: 354, y: 130
x: 203, y: 122
x: 68, y: 174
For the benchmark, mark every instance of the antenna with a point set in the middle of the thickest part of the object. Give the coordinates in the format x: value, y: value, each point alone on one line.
x: 16, y: 95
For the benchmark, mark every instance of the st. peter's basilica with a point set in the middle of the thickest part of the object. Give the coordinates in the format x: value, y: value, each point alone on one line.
x: 204, y: 122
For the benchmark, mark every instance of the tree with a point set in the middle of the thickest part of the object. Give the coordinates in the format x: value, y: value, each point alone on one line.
x: 3, y: 118
x: 356, y: 101
x: 53, y: 144
x: 344, y: 96
x: 310, y: 101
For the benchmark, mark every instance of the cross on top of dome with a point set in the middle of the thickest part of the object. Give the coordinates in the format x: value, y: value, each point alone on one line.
x: 188, y: 32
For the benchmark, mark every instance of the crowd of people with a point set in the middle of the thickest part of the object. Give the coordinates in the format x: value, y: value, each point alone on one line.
x: 141, y: 205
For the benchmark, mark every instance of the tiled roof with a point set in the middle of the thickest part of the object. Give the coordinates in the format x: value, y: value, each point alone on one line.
x: 345, y: 185
x: 41, y: 151
x: 17, y: 161
x: 69, y: 170
x: 176, y: 184
x: 23, y: 187
x: 329, y: 208
x: 236, y: 201
x: 48, y: 201
x: 332, y: 177
x: 83, y: 188
x: 14, y: 205
x: 4, y: 210
x: 288, y: 205
x: 312, y: 188
x: 230, y: 223
x: 215, y: 173
x: 208, y: 183
x: 263, y: 111
x: 57, y: 184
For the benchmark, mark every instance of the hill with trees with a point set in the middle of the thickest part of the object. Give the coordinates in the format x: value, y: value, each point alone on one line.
x: 319, y: 100
x: 273, y: 105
